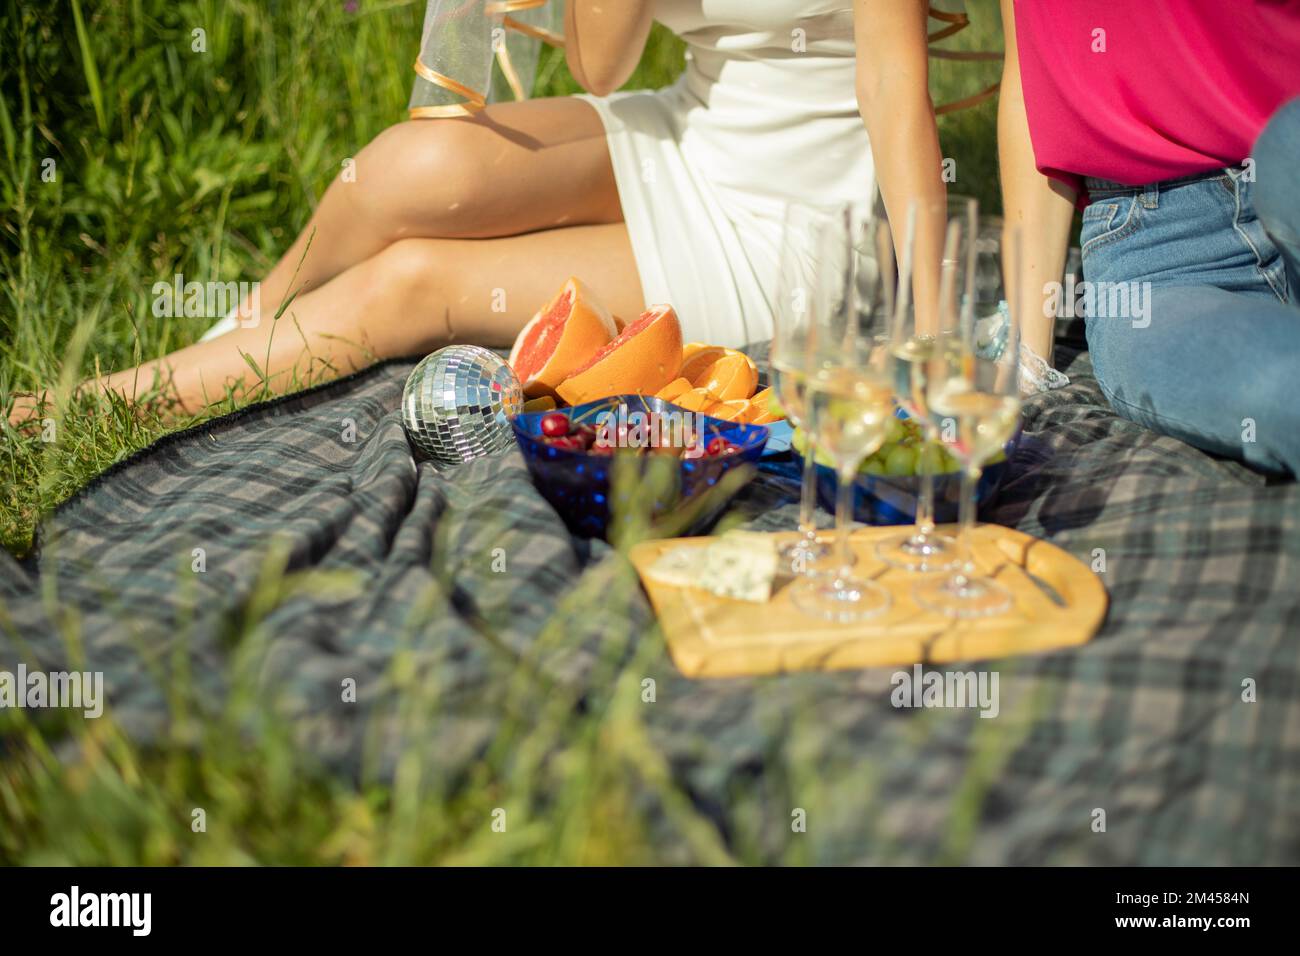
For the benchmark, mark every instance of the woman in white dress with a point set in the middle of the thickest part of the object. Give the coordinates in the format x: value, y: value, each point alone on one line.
x: 456, y: 230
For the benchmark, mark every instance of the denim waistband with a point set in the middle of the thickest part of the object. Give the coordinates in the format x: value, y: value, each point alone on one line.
x: 1095, y: 185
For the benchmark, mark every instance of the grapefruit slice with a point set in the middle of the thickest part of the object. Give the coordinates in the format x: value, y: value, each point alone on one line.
x: 560, y: 337
x: 642, y: 359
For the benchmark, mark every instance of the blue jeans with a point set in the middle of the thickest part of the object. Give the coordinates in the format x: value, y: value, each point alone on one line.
x: 1193, y: 321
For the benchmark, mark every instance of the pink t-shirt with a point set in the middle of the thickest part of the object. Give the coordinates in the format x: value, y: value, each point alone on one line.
x: 1137, y: 91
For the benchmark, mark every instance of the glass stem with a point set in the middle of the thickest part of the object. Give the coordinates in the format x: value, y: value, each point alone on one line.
x: 925, y: 500
x: 843, y: 520
x: 808, y: 492
x: 970, y: 476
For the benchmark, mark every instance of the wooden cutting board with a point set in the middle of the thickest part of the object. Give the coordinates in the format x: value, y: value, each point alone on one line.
x: 710, y: 636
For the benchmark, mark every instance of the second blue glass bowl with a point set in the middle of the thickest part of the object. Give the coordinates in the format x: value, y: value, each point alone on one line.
x: 891, y: 499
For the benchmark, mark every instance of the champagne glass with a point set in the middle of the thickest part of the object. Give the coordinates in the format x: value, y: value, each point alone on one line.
x: 974, y: 401
x: 802, y: 291
x: 915, y: 336
x: 847, y: 393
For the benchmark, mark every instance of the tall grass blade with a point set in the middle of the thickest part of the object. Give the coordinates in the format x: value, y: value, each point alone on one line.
x: 89, y: 68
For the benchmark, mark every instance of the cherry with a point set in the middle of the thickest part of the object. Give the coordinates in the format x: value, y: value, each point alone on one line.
x: 567, y: 442
x: 555, y: 424
x: 586, y: 434
x: 718, y: 446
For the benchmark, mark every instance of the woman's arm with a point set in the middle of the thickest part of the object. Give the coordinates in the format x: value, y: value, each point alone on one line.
x: 893, y: 87
x: 1042, y: 207
x: 604, y: 40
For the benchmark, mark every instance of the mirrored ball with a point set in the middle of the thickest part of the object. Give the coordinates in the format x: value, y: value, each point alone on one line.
x: 458, y: 403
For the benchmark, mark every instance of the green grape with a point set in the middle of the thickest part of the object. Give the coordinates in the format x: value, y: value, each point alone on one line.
x: 901, y: 460
x: 799, y: 441
x: 895, y: 430
x: 878, y: 457
x: 873, y: 466
x: 929, y: 459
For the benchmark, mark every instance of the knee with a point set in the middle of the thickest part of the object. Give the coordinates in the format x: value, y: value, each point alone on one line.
x: 1268, y: 417
x: 405, y: 267
x: 1277, y: 175
x: 418, y: 173
x: 404, y: 293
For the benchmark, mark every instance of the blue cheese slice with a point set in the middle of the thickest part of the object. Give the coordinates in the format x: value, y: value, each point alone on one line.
x: 740, y: 565
x: 679, y: 567
x: 739, y: 568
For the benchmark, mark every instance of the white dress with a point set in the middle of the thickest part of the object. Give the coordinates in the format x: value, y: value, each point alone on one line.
x: 765, y: 113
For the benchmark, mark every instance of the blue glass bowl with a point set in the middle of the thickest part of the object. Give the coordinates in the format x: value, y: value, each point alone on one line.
x: 577, y: 483
x: 891, y: 499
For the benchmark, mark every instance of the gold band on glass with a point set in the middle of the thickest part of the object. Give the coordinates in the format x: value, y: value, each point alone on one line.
x: 510, y: 73
x: 548, y: 37
x: 474, y: 100
x: 511, y: 6
x: 966, y: 102
x: 956, y: 23
x: 505, y: 8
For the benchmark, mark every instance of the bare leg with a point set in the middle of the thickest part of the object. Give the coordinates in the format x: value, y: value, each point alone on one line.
x: 414, y: 296
x: 511, y: 169
x: 515, y: 169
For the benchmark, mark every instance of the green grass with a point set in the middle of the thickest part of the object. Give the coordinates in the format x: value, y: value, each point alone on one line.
x: 166, y: 160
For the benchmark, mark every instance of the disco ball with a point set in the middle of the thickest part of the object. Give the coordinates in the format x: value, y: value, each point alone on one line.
x: 458, y: 403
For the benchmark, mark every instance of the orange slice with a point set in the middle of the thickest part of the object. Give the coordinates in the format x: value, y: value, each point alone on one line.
x: 733, y: 410
x: 674, y: 388
x: 727, y: 374
x: 543, y: 403
x: 766, y: 409
x: 693, y: 400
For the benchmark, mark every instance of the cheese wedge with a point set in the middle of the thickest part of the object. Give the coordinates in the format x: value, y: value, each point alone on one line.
x: 740, y: 565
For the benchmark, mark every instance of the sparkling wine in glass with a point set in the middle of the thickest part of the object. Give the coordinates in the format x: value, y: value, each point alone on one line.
x: 806, y: 288
x: 917, y: 341
x: 848, y: 400
x: 974, y: 403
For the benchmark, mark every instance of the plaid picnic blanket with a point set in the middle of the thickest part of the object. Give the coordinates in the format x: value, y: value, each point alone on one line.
x: 1172, y: 738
